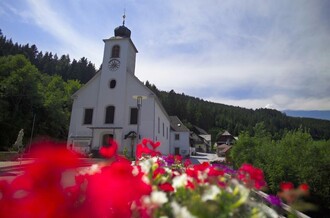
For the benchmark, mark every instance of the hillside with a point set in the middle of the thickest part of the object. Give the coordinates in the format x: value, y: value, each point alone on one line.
x: 215, y: 117
x: 317, y: 114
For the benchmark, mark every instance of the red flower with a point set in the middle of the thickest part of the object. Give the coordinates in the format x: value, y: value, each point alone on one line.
x: 251, y: 176
x: 41, y: 186
x: 190, y: 185
x: 166, y: 187
x: 177, y: 159
x: 110, y: 150
x: 286, y: 186
x: 187, y: 163
x: 143, y: 149
x: 194, y: 171
x: 304, y: 187
x: 112, y: 192
x: 158, y: 171
x: 215, y: 172
x: 155, y: 144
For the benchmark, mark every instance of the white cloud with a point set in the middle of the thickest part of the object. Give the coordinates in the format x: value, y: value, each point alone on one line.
x: 59, y: 25
x: 278, y: 102
x: 246, y: 53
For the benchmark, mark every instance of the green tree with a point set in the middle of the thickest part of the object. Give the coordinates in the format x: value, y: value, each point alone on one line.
x: 20, y: 83
x: 296, y: 157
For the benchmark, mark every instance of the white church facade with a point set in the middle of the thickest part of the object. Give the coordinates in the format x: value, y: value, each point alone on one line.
x: 116, y: 104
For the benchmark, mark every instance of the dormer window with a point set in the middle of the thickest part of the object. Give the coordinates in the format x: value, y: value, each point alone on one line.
x: 115, y: 51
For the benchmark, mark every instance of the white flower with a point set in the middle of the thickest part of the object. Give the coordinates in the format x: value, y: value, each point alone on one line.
x: 180, y: 181
x: 211, y: 193
x: 180, y: 212
x: 95, y: 168
x: 158, y: 197
x: 145, y: 179
x: 242, y: 191
x: 146, y: 165
x: 202, y: 176
x: 135, y: 171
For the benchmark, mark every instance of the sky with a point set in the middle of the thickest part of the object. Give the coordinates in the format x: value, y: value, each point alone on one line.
x: 252, y: 54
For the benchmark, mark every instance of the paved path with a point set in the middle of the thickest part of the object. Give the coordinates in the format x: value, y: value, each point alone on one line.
x: 10, y: 169
x: 204, y: 157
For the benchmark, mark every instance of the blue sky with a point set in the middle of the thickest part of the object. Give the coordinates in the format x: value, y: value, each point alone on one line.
x: 247, y: 53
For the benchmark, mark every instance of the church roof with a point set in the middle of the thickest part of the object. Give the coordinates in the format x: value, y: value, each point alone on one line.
x: 123, y: 31
x: 177, y: 125
x: 152, y: 94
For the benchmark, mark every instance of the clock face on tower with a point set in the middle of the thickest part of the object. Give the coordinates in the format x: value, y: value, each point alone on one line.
x: 114, y: 64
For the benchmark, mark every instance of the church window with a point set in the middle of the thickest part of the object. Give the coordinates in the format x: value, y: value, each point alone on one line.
x: 88, y: 116
x: 177, y: 136
x: 115, y: 51
x: 158, y: 125
x: 166, y: 132
x: 112, y: 84
x: 163, y: 130
x: 134, y: 116
x: 110, y: 114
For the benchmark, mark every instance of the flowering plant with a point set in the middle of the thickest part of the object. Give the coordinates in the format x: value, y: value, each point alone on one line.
x: 57, y: 185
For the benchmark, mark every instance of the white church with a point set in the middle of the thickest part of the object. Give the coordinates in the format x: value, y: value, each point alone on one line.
x: 116, y: 104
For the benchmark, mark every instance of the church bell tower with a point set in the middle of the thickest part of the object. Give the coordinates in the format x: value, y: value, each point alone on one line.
x: 118, y: 62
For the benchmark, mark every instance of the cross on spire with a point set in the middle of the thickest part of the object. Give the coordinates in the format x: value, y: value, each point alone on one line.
x: 124, y: 16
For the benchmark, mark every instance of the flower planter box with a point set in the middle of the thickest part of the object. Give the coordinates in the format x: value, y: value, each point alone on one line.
x: 8, y: 155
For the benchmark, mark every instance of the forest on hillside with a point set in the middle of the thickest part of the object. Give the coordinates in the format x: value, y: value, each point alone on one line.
x: 216, y: 117
x: 35, y: 91
x: 36, y: 87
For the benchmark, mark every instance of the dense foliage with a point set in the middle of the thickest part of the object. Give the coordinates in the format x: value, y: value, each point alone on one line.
x: 296, y: 157
x: 215, y: 117
x: 28, y: 96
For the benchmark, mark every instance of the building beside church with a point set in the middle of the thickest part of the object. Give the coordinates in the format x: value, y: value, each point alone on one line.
x: 179, y: 140
x: 116, y: 104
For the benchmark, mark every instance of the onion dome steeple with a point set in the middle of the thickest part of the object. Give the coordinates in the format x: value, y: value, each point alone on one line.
x: 123, y: 31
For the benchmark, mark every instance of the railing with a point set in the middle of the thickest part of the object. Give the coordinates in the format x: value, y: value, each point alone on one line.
x: 283, y: 210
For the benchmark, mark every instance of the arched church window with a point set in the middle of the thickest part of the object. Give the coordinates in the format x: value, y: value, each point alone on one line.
x: 110, y: 114
x: 115, y: 51
x: 112, y: 84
